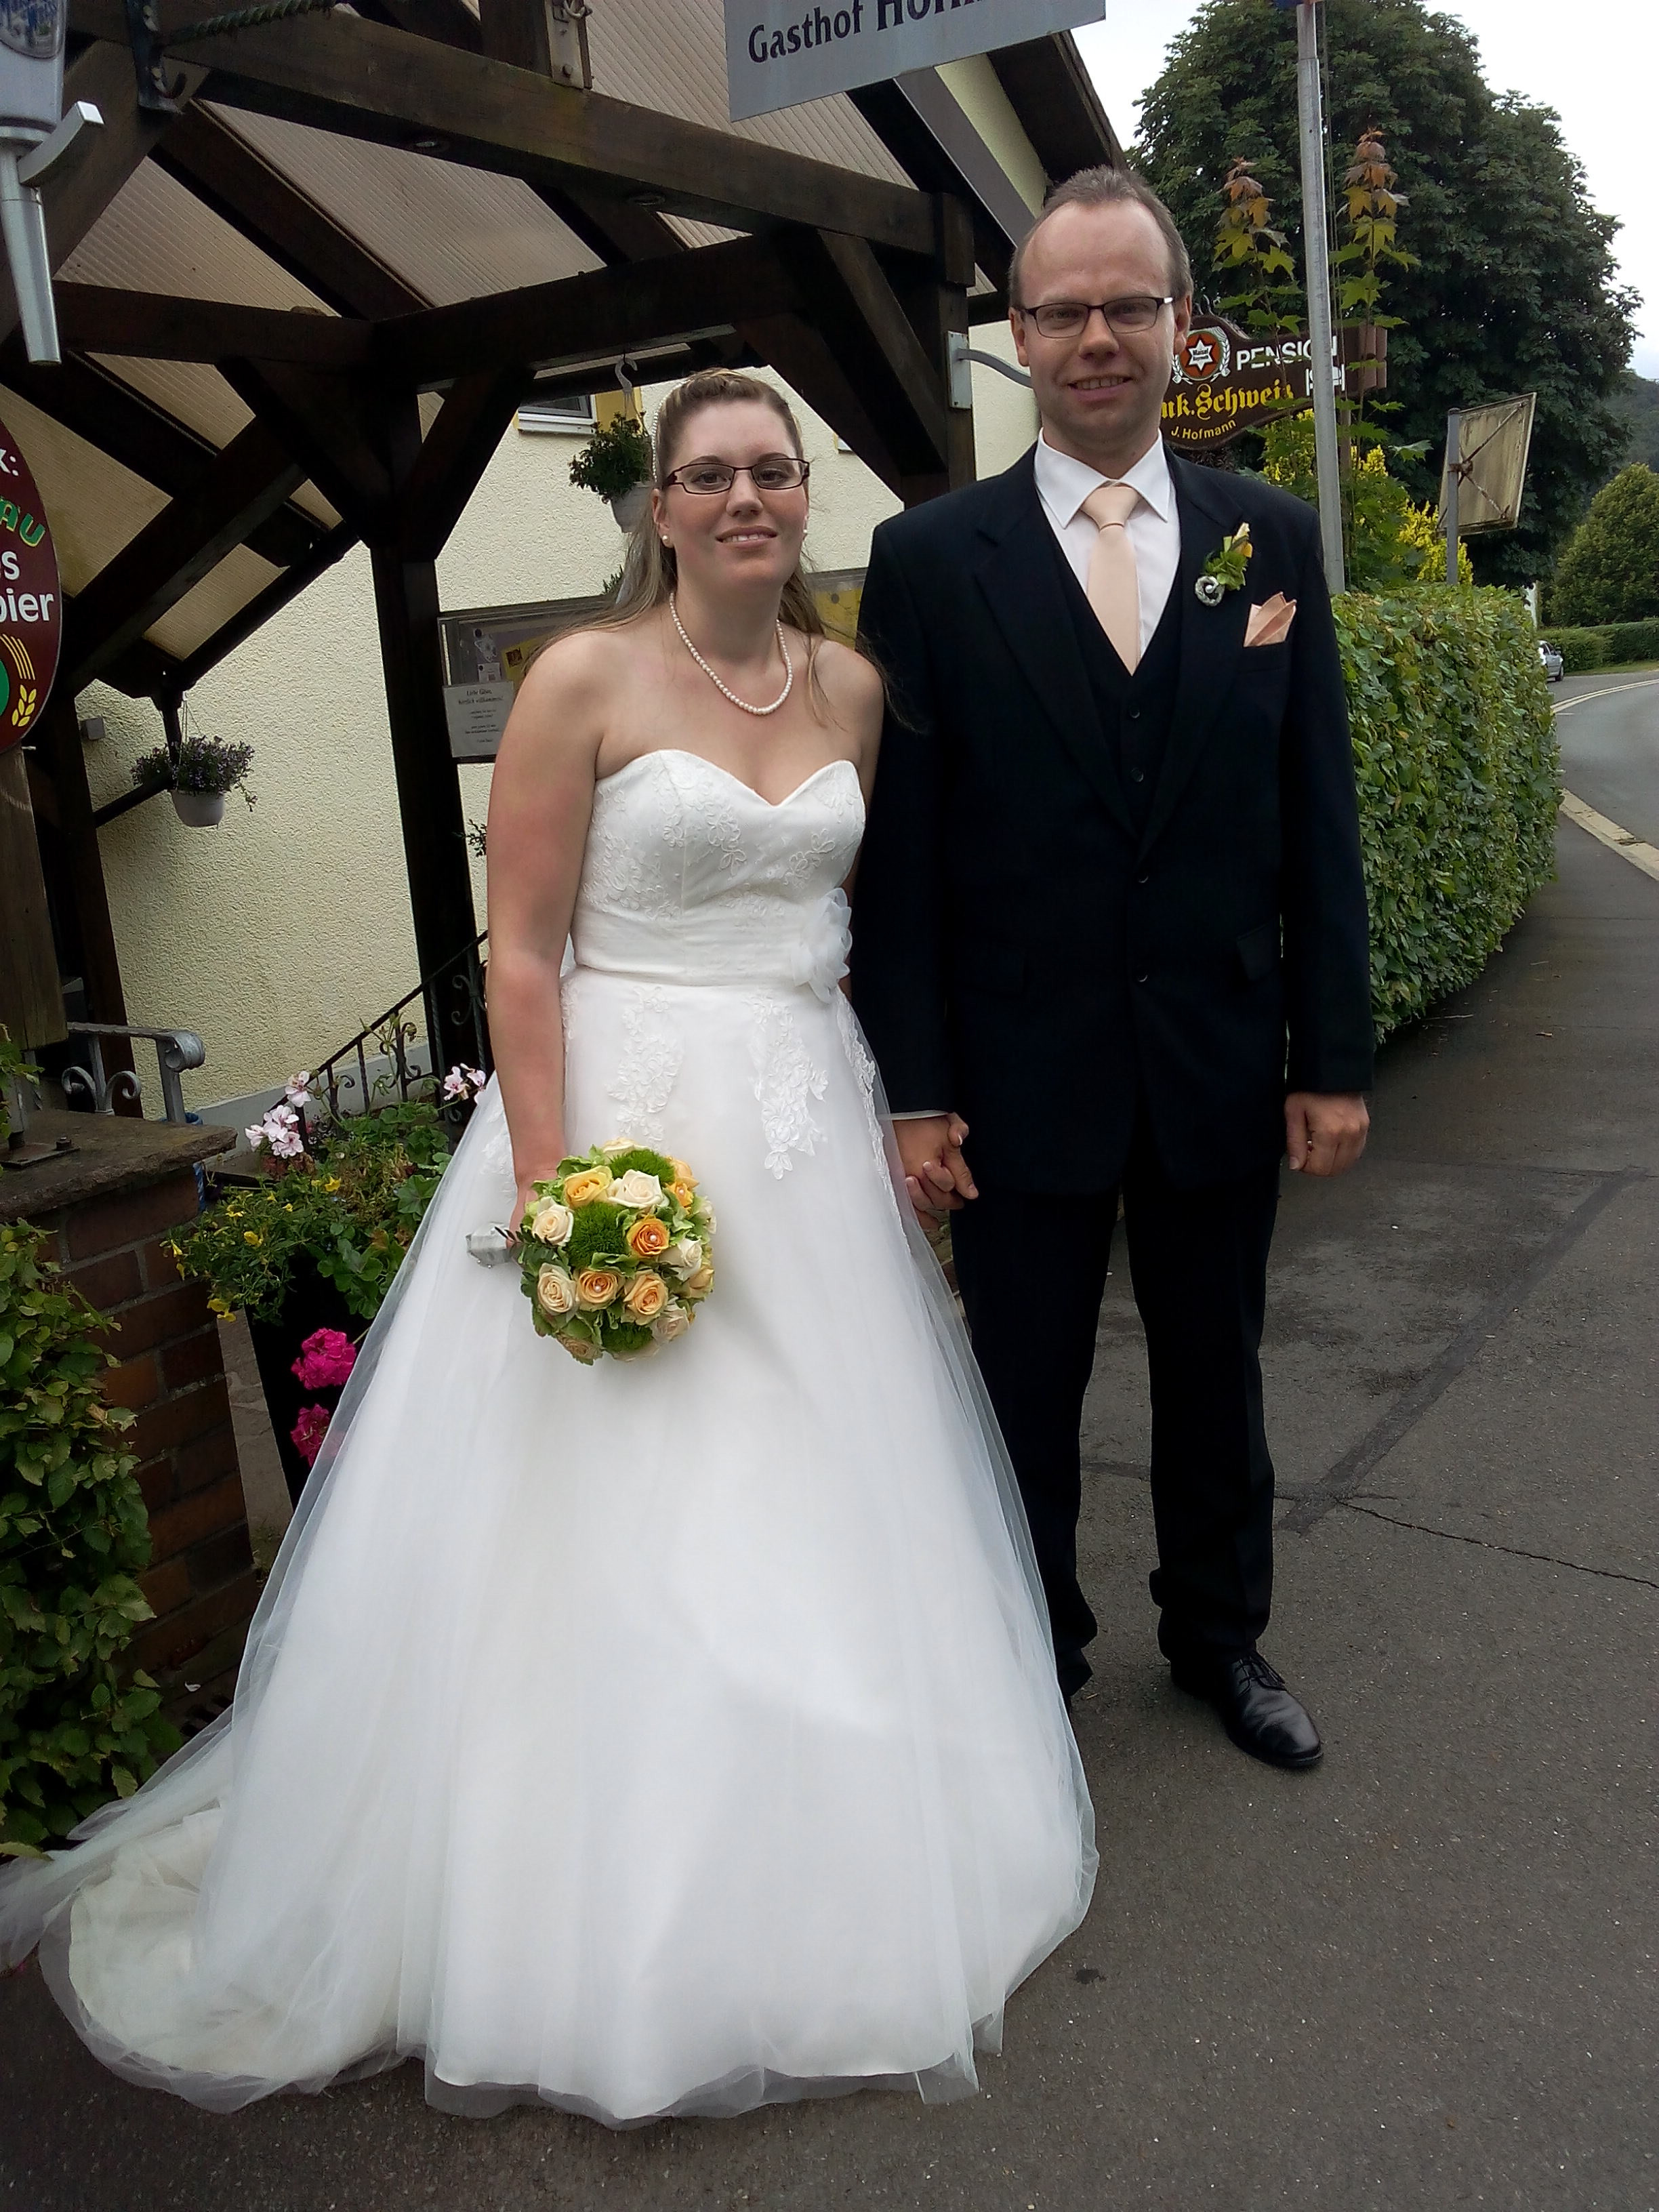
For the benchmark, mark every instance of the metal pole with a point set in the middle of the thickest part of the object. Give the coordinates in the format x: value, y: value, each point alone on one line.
x: 1454, y: 426
x: 1316, y: 255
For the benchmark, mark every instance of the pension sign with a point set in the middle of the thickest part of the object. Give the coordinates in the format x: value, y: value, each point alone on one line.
x: 1226, y: 381
x: 780, y: 52
x: 30, y: 598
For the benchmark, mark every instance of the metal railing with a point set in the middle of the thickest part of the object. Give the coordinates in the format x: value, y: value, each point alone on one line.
x: 457, y: 1029
x: 175, y: 1050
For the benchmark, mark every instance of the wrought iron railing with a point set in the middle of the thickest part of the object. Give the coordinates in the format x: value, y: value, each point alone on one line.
x: 175, y: 1050
x: 383, y: 1062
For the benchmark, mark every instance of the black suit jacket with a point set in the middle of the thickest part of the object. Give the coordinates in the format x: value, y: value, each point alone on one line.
x: 1021, y: 954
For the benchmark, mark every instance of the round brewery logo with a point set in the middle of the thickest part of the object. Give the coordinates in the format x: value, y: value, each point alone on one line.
x: 1205, y: 353
x: 31, y: 599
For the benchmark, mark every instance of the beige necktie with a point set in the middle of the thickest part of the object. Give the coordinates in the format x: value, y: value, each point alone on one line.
x: 1114, y: 588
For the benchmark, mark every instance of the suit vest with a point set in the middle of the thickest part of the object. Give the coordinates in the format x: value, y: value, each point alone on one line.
x: 1135, y: 711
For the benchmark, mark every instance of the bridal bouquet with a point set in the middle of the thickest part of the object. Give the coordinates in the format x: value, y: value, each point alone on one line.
x: 615, y: 1252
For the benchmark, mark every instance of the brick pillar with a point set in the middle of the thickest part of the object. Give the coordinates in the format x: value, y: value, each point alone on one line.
x: 111, y: 1245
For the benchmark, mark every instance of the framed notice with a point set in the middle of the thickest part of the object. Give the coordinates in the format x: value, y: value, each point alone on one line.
x: 780, y: 52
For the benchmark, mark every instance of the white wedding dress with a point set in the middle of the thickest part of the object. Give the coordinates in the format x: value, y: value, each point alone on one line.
x: 655, y: 1738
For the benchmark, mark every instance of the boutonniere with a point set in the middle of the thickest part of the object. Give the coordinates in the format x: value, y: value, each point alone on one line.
x: 1224, y: 571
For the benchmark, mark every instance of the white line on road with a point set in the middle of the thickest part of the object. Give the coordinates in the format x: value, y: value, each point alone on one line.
x: 1581, y: 698
x: 1639, y: 855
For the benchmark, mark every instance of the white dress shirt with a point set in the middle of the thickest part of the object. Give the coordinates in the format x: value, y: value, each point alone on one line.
x: 1154, y: 528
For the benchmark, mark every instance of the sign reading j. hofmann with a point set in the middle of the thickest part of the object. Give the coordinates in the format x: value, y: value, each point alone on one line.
x: 780, y: 52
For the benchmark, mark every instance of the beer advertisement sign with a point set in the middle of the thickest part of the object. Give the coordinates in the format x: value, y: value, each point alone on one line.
x: 30, y: 598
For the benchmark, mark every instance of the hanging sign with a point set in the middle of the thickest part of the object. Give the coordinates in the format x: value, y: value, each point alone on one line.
x: 1225, y: 380
x: 31, y: 599
x: 780, y: 52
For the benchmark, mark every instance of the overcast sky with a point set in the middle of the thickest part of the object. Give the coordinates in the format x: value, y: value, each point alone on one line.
x: 1594, y: 65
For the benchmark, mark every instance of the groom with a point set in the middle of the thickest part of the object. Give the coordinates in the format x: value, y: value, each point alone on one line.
x: 1110, y: 913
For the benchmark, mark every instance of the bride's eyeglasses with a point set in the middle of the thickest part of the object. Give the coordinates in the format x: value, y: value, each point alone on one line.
x: 772, y: 472
x: 1067, y: 318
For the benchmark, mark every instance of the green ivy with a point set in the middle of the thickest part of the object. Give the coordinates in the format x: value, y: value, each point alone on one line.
x: 1459, y: 781
x: 75, y: 1728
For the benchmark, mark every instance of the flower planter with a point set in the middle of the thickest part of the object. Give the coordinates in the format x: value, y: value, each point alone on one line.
x: 198, y: 810
x: 312, y: 1303
x: 629, y: 506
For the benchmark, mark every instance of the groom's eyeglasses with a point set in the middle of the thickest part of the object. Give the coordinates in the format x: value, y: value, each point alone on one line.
x: 772, y: 472
x: 1068, y: 319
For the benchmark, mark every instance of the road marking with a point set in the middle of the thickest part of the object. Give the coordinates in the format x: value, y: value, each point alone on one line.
x: 1580, y: 698
x: 1633, y: 849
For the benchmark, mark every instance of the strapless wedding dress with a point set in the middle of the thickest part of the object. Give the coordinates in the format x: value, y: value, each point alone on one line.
x: 654, y: 1738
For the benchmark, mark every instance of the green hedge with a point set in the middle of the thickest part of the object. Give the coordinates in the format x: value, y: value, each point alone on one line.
x: 76, y: 1726
x: 1609, y: 646
x: 1459, y: 781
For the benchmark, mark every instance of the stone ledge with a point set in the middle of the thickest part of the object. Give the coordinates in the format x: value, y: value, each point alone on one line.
x: 111, y: 1152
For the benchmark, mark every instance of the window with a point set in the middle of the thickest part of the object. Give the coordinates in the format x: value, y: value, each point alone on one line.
x: 572, y: 414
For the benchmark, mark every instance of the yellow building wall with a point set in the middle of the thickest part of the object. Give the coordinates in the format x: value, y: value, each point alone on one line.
x: 281, y: 932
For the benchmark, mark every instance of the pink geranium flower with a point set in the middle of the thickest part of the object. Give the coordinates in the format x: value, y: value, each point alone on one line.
x: 327, y: 1359
x: 309, y: 1432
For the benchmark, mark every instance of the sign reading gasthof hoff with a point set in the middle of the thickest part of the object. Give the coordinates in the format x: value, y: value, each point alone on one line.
x: 780, y: 52
x: 1226, y: 381
x: 31, y: 599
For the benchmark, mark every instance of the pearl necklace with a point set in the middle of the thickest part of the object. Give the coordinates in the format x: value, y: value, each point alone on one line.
x: 726, y: 689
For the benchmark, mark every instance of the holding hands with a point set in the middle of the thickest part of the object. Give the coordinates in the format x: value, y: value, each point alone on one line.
x: 936, y: 1175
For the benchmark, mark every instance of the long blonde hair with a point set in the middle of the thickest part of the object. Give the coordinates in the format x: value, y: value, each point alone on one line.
x: 650, y: 572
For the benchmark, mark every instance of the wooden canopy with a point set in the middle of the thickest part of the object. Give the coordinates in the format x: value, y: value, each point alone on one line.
x: 300, y: 303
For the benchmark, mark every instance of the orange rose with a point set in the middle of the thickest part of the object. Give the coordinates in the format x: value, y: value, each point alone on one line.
x: 681, y: 1173
x: 647, y: 1237
x: 587, y: 1184
x: 700, y: 1284
x: 646, y: 1296
x: 682, y: 1193
x: 596, y: 1287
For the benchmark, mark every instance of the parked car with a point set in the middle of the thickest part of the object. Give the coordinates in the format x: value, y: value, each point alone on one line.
x: 1554, y: 666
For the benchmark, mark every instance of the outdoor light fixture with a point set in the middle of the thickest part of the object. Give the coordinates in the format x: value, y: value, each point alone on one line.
x: 34, y: 139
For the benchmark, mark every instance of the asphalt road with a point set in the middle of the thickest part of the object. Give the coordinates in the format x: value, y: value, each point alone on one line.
x: 1609, y: 732
x: 1421, y: 1976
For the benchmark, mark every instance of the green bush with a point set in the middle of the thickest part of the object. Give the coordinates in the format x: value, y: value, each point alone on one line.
x: 1581, y: 650
x: 74, y: 1729
x: 1455, y: 758
x: 1609, y: 570
x: 1635, y: 640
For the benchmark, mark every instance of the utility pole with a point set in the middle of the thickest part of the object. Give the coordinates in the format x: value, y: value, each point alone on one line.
x: 1316, y: 254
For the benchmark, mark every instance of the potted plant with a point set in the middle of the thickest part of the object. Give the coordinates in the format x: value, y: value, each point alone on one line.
x: 198, y: 776
x: 616, y: 463
x: 307, y: 1251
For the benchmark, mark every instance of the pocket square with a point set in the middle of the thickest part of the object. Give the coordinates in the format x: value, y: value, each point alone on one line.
x: 1270, y: 623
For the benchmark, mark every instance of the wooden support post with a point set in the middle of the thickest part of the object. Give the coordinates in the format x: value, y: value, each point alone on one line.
x: 936, y: 306
x: 31, y: 997
x: 57, y: 734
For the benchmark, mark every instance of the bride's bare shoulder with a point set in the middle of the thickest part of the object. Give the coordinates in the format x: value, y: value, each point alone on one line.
x: 851, y: 684
x: 584, y: 665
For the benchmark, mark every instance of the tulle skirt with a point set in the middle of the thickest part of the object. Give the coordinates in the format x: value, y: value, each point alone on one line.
x: 663, y: 1737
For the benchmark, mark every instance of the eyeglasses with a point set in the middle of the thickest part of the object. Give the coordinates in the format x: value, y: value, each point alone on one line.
x: 1069, y: 319
x: 772, y: 472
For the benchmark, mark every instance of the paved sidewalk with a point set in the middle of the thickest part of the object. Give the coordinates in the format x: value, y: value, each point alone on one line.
x: 1423, y: 1975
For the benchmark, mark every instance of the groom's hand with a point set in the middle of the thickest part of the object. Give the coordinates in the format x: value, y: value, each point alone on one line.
x: 936, y: 1175
x: 1324, y: 1132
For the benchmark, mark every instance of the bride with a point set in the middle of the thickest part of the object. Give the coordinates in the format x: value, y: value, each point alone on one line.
x: 660, y: 1737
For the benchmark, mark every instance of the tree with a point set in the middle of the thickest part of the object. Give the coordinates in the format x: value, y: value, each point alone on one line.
x: 1514, y: 287
x: 1610, y: 570
x: 1636, y: 403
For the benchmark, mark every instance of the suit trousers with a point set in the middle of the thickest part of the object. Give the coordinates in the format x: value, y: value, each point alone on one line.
x: 1198, y: 1262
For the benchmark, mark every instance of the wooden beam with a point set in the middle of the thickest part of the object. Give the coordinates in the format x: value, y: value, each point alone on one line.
x: 154, y: 326
x: 340, y: 73
x: 455, y: 453
x: 121, y: 422
x: 30, y: 996
x: 275, y: 596
x: 591, y: 318
x: 57, y: 739
x: 77, y: 196
x: 918, y: 119
x: 171, y: 555
x: 812, y: 366
x: 328, y: 423
x: 219, y: 166
x: 449, y: 22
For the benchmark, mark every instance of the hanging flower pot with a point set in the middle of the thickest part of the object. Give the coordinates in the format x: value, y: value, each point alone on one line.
x: 629, y: 506
x: 198, y: 810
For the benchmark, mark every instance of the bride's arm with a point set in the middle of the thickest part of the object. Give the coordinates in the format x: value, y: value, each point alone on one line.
x: 540, y: 800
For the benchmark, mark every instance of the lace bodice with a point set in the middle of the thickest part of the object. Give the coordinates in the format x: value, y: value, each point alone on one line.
x: 692, y: 877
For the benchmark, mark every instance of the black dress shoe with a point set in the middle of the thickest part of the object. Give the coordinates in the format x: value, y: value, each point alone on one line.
x: 1256, y: 1710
